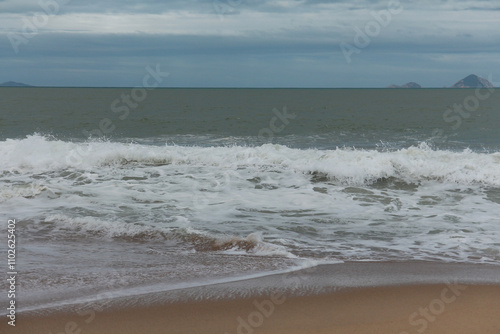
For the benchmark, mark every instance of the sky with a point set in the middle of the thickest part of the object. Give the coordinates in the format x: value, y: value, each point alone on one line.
x: 249, y: 43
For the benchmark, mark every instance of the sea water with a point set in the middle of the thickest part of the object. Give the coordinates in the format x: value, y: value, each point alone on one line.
x: 191, y: 186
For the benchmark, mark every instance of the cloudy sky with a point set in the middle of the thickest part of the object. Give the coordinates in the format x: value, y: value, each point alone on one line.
x: 249, y: 43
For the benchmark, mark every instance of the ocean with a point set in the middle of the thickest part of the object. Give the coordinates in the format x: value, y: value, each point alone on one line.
x: 120, y: 191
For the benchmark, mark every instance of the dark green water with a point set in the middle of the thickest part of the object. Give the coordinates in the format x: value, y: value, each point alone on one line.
x: 324, y: 118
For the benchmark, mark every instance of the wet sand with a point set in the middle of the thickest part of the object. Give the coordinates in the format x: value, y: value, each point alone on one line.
x: 454, y: 307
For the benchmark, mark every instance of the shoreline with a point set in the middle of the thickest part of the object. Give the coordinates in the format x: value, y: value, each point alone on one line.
x: 345, y: 298
x: 457, y: 309
x: 308, y: 279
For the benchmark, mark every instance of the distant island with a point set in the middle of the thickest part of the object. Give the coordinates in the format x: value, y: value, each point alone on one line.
x: 471, y: 81
x: 408, y: 85
x: 14, y: 84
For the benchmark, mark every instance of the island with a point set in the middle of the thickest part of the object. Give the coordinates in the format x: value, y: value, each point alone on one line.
x: 473, y: 81
x: 407, y: 85
x: 14, y: 84
x: 470, y: 81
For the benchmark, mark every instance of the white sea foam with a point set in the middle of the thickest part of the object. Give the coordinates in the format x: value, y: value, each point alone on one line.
x: 24, y: 190
x: 91, y: 227
x: 346, y: 166
x: 269, y: 200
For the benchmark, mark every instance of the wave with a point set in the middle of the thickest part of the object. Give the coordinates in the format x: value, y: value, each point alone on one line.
x: 343, y: 165
x: 198, y: 241
x: 21, y: 190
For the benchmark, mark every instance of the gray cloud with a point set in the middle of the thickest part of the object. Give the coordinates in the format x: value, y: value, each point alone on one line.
x: 251, y: 43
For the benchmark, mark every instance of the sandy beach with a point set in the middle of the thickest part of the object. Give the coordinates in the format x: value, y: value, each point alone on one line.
x: 409, y: 309
x: 453, y: 306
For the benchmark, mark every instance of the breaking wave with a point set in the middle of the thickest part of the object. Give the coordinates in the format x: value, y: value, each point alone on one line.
x: 37, y: 153
x: 198, y: 241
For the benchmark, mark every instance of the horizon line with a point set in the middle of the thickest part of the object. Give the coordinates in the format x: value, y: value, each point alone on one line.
x: 225, y: 87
